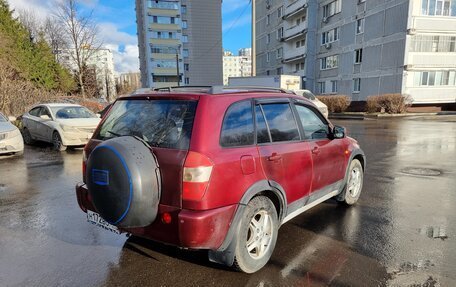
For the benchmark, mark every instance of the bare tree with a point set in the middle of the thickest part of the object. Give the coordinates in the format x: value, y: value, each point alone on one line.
x: 81, y: 33
x: 55, y: 36
x: 31, y: 22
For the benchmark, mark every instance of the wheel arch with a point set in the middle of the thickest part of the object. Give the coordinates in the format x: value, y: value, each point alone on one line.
x: 272, y: 190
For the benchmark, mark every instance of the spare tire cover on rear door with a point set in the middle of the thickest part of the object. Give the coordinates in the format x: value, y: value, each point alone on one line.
x: 123, y: 179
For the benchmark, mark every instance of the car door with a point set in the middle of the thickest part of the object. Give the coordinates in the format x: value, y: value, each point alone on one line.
x: 31, y: 121
x: 328, y: 156
x: 43, y: 126
x: 285, y: 158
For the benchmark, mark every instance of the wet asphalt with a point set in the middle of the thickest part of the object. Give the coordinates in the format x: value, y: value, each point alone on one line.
x: 401, y: 233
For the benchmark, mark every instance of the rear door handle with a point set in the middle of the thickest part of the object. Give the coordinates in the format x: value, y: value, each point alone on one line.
x: 315, y: 150
x: 275, y: 157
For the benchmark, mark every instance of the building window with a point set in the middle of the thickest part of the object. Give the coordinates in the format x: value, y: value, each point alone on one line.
x: 268, y: 19
x: 330, y: 36
x: 187, y: 81
x: 435, y: 78
x: 267, y: 57
x: 186, y: 67
x: 280, y: 12
x: 185, y: 52
x: 425, y: 43
x: 279, y: 71
x: 358, y: 56
x: 184, y: 39
x: 268, y: 38
x: 356, y: 85
x: 184, y: 9
x: 280, y: 33
x: 360, y: 26
x: 162, y: 5
x: 184, y: 24
x: 332, y: 8
x: 164, y: 63
x: 300, y: 43
x: 322, y: 87
x: 165, y: 20
x: 279, y: 53
x: 334, y: 86
x: 438, y: 7
x: 164, y: 35
x: 329, y: 62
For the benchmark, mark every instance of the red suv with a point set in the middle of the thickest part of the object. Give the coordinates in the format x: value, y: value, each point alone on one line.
x: 216, y: 169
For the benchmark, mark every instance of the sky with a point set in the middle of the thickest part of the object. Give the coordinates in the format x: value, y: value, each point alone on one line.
x: 116, y: 20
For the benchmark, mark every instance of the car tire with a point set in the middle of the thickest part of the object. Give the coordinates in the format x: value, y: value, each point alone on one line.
x: 257, y: 235
x: 57, y: 142
x: 28, y: 140
x: 354, y: 185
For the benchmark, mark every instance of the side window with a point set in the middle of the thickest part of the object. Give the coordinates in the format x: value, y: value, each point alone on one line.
x: 35, y: 112
x: 237, y: 129
x: 281, y: 122
x: 261, y: 128
x: 314, y: 127
x: 44, y: 111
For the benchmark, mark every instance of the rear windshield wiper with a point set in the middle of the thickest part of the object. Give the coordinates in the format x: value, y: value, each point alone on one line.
x: 136, y: 137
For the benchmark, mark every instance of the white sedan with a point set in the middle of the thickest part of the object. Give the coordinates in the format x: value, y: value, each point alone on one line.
x: 10, y: 137
x: 63, y: 125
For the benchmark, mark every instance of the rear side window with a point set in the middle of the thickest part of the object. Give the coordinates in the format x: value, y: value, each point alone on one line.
x: 281, y: 122
x: 35, y: 112
x: 161, y: 123
x: 237, y: 129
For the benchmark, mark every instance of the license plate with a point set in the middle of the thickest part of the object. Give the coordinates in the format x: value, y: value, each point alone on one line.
x: 97, y: 220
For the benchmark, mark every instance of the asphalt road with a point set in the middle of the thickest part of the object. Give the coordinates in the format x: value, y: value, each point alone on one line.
x: 402, y: 232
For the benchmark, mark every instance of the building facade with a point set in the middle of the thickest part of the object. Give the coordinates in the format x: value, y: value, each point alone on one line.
x: 237, y: 66
x: 180, y: 42
x: 101, y: 62
x: 361, y: 48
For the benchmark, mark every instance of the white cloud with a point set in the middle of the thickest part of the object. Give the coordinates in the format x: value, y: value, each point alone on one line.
x: 125, y: 60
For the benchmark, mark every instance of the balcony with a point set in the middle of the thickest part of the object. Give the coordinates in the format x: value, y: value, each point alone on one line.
x: 295, y: 54
x: 434, y: 23
x: 295, y: 8
x: 430, y: 60
x: 164, y: 71
x: 295, y: 31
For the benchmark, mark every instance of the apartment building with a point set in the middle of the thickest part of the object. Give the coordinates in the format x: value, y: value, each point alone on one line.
x: 100, y: 62
x: 237, y: 66
x: 180, y: 42
x: 362, y: 47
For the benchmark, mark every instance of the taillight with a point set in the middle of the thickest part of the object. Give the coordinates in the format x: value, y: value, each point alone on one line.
x: 196, y: 176
x: 84, y: 165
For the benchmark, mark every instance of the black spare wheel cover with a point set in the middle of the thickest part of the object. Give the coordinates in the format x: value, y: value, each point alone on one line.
x: 123, y: 179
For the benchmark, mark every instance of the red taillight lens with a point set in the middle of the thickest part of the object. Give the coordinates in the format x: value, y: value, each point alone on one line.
x: 196, y: 176
x: 84, y: 165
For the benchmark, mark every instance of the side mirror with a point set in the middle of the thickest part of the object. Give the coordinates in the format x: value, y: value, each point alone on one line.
x: 339, y: 132
x: 45, y: 117
x: 12, y: 119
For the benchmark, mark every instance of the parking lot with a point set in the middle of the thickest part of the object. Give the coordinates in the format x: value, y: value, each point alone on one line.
x: 401, y: 233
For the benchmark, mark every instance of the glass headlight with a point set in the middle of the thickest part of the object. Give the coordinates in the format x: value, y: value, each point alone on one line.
x: 69, y: 129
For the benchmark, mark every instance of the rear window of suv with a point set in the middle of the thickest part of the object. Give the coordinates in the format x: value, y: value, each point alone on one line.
x: 161, y: 123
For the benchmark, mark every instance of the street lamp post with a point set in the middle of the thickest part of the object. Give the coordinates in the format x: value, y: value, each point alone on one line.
x: 253, y: 56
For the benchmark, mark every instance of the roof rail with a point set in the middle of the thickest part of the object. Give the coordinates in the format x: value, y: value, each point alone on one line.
x: 259, y: 89
x: 213, y: 90
x: 184, y: 88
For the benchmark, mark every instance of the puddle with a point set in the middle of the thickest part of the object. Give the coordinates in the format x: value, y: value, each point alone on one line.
x: 421, y: 171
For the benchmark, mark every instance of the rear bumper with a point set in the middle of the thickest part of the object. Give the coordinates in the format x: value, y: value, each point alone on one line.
x: 188, y: 228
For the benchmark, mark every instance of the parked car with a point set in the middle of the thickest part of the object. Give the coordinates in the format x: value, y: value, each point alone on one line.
x: 63, y: 125
x: 215, y: 169
x: 311, y: 97
x: 11, y: 141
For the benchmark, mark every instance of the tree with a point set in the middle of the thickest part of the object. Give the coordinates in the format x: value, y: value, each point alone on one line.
x: 81, y: 33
